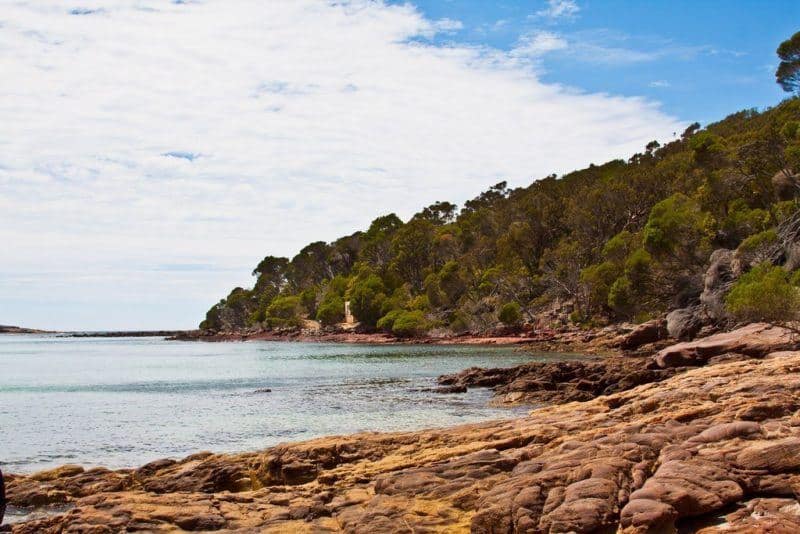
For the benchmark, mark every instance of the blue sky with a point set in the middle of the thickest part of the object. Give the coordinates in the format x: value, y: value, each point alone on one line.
x: 700, y: 60
x: 154, y: 151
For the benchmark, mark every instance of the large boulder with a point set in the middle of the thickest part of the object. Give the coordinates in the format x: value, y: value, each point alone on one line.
x: 755, y: 340
x: 685, y: 323
x: 724, y: 268
x: 785, y: 184
x: 645, y: 333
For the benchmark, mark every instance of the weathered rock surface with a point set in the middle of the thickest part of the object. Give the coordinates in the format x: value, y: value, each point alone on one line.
x: 645, y: 333
x: 754, y: 340
x: 685, y: 323
x: 715, y: 448
x: 562, y: 381
x: 724, y: 267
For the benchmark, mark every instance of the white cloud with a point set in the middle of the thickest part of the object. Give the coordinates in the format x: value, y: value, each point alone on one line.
x: 659, y: 84
x: 139, y: 133
x: 448, y: 25
x: 557, y: 9
x: 539, y: 43
x: 605, y: 47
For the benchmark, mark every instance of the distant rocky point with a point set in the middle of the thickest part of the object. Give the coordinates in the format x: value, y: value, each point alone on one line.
x: 4, y: 329
x: 131, y: 333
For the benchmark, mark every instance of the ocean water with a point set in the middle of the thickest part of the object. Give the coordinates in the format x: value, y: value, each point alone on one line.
x: 121, y: 402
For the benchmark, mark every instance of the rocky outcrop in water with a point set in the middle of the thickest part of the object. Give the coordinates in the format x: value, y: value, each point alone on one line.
x: 707, y: 449
x: 562, y: 381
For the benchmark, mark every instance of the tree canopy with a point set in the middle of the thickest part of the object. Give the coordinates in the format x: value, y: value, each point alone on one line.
x: 788, y: 73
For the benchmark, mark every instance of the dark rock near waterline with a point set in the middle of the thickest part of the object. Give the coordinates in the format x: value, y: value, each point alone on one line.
x: 450, y: 389
x: 564, y: 381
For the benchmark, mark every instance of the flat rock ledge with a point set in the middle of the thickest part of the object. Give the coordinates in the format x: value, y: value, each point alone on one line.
x: 711, y: 449
x: 754, y: 340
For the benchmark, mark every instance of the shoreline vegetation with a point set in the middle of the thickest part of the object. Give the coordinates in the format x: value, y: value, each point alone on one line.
x: 699, y: 434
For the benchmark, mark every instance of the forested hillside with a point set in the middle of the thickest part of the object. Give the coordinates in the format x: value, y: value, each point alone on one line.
x: 625, y: 240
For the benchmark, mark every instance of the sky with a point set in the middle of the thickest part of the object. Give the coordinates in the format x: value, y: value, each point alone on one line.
x: 153, y: 151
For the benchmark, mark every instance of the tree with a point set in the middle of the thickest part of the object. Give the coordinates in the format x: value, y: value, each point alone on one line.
x: 677, y: 228
x: 788, y: 73
x: 331, y: 310
x: 409, y: 324
x: 377, y: 240
x: 271, y: 273
x: 310, y: 266
x: 690, y: 130
x: 510, y: 314
x: 344, y: 253
x: 366, y: 299
x: 438, y: 213
x: 412, y: 248
x: 765, y: 293
x: 387, y: 321
x: 284, y: 311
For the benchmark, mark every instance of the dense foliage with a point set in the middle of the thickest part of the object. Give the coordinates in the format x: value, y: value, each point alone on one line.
x: 765, y: 293
x: 623, y: 240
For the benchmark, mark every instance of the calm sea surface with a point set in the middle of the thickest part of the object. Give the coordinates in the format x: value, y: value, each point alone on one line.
x: 125, y: 401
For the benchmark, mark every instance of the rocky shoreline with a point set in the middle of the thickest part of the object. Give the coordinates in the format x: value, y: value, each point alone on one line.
x: 703, y: 436
x: 568, y: 339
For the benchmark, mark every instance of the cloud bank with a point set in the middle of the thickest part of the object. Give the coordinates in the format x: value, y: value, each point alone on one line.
x: 138, y: 134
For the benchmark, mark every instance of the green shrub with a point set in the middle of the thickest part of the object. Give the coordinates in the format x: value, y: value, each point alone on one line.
x: 766, y: 294
x: 410, y: 323
x: 420, y: 302
x: 338, y: 285
x: 387, y: 321
x: 576, y: 317
x: 331, y: 310
x: 366, y: 299
x: 675, y: 225
x: 308, y: 300
x: 621, y: 296
x: 510, y: 314
x: 598, y: 279
x: 638, y: 266
x: 757, y: 241
x: 459, y: 322
x: 284, y: 311
x: 398, y: 300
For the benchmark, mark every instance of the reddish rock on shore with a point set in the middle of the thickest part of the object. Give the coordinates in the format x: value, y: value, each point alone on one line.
x: 754, y: 340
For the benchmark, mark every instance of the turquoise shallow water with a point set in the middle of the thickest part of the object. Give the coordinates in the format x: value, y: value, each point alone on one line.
x: 121, y: 402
